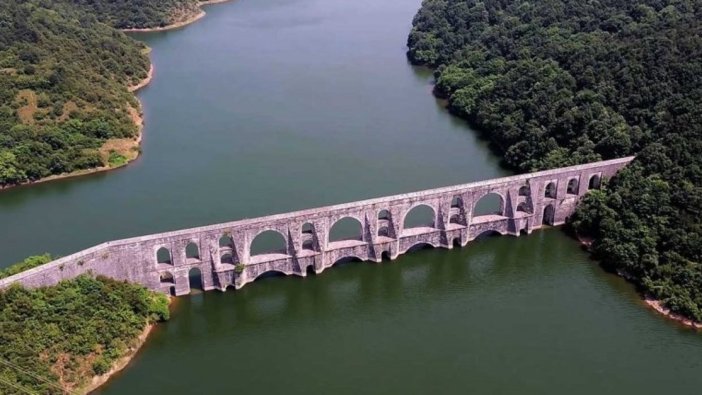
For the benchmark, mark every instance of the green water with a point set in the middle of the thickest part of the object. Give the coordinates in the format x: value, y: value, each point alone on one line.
x: 269, y: 106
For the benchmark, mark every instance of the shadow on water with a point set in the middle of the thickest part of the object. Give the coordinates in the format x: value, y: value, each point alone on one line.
x: 346, y: 262
x: 419, y: 247
x: 270, y: 275
x: 490, y: 261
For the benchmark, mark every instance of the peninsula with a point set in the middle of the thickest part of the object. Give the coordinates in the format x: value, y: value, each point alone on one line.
x: 68, y: 111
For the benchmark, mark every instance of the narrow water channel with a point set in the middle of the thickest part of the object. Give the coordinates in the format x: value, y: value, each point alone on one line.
x: 269, y: 106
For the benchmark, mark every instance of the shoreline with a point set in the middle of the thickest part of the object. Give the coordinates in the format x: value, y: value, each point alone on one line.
x: 658, y: 306
x: 124, y: 361
x: 137, y: 115
x: 649, y: 301
x: 120, y: 364
x: 177, y: 25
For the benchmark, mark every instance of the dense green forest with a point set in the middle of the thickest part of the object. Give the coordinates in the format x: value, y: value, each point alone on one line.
x: 128, y: 14
x: 63, y: 88
x: 64, y: 74
x: 65, y: 334
x: 561, y: 82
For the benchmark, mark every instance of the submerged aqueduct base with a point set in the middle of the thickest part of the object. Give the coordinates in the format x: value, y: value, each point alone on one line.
x: 222, y: 252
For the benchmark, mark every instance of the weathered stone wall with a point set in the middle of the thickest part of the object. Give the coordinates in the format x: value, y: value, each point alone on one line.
x: 222, y: 252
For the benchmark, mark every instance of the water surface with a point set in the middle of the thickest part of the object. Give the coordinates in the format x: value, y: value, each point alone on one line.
x: 268, y: 106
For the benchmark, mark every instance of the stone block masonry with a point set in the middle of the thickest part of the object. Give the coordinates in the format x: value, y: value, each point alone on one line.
x: 222, y: 252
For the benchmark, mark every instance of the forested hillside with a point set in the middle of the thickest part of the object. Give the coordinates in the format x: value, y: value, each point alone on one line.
x: 560, y: 82
x: 59, y: 337
x: 128, y: 14
x: 63, y: 89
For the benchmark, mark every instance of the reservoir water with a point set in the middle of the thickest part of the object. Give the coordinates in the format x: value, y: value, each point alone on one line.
x: 268, y: 106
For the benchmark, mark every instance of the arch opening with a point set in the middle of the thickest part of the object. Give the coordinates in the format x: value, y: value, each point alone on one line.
x: 524, y: 190
x: 270, y: 274
x: 420, y: 216
x: 346, y: 261
x: 308, y: 245
x: 384, y: 215
x: 523, y: 207
x: 226, y: 241
x: 457, y: 202
x: 268, y: 242
x: 227, y: 258
x: 195, y: 279
x: 307, y: 228
x: 456, y: 219
x: 347, y: 228
x: 308, y: 237
x: 487, y: 234
x: 163, y: 255
x: 167, y: 278
x: 191, y: 251
x: 457, y: 242
x: 420, y: 246
x: 572, y: 186
x: 310, y: 270
x: 384, y: 231
x: 385, y: 256
x: 490, y: 204
x: 549, y: 214
x: 595, y: 181
x: 550, y: 191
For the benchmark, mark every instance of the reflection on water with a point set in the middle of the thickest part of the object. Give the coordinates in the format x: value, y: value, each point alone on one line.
x: 440, y: 320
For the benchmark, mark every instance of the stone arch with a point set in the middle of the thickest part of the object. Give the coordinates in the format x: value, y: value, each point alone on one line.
x: 457, y: 212
x: 195, y: 280
x: 492, y: 203
x: 549, y: 215
x: 419, y: 216
x: 192, y: 251
x: 166, y: 277
x: 227, y: 252
x: 308, y: 237
x: 550, y: 190
x: 163, y: 255
x: 595, y: 181
x: 524, y: 208
x: 573, y: 186
x: 167, y: 280
x: 346, y: 228
x: 487, y: 233
x: 226, y: 241
x: 347, y: 259
x: 227, y: 258
x: 420, y: 245
x: 268, y: 241
x: 524, y: 190
x: 385, y: 224
x: 270, y: 273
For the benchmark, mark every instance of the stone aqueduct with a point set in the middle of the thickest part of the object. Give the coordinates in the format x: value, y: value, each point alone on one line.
x: 222, y: 253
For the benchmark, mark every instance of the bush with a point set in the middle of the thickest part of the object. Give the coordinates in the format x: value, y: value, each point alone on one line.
x: 56, y: 330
